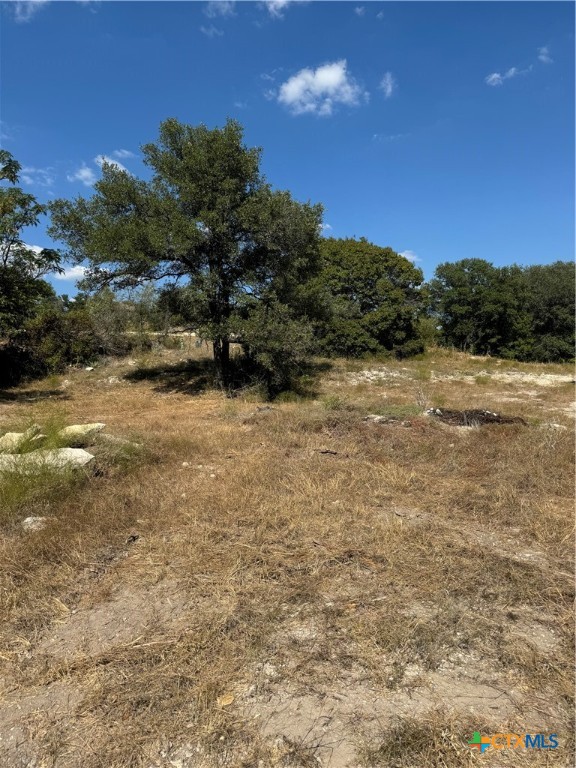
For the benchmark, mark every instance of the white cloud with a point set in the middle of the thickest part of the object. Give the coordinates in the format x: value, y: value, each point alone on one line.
x: 87, y: 176
x: 380, y: 15
x: 496, y: 78
x: 240, y: 105
x: 84, y: 174
x: 37, y: 249
x: 211, y: 31
x: 388, y: 84
x: 276, y: 8
x: 410, y: 255
x: 219, y: 8
x: 271, y: 76
x: 72, y: 273
x: 381, y: 137
x: 123, y: 153
x: 101, y: 159
x: 38, y: 177
x: 325, y: 227
x: 317, y: 91
x: 24, y: 9
x: 544, y: 55
x: 360, y: 10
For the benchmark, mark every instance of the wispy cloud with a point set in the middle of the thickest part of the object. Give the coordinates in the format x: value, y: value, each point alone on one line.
x: 276, y: 8
x: 72, y: 273
x: 211, y: 31
x: 388, y: 84
x: 38, y: 177
x: 380, y: 15
x: 101, y: 159
x: 381, y: 137
x: 84, y: 174
x: 5, y: 132
x: 325, y: 227
x: 410, y: 255
x: 123, y: 153
x: 359, y: 10
x: 24, y: 10
x: 217, y: 8
x: 37, y: 249
x: 271, y: 76
x: 496, y: 79
x: 318, y: 91
x: 544, y: 55
x: 240, y: 105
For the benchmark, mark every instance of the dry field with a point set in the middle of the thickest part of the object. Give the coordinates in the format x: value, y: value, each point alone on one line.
x: 292, y: 585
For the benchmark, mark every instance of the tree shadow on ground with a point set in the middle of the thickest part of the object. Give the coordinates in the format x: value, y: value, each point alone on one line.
x: 31, y: 395
x: 316, y: 367
x: 305, y: 384
x: 190, y: 377
x: 193, y: 377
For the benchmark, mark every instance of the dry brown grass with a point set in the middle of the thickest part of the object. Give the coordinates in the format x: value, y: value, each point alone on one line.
x: 294, y: 586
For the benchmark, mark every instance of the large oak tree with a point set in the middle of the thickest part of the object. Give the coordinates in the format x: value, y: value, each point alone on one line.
x: 207, y: 219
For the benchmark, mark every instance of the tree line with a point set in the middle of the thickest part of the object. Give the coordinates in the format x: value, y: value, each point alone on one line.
x: 207, y: 243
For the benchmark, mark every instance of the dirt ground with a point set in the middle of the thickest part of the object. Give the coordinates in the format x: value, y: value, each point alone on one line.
x: 293, y: 584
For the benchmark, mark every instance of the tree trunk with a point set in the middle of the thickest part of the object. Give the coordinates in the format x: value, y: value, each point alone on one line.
x: 222, y: 361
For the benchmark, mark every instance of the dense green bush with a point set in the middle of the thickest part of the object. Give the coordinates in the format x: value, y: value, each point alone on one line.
x: 520, y: 313
x: 61, y: 338
x: 373, y: 297
x: 58, y: 336
x: 276, y: 345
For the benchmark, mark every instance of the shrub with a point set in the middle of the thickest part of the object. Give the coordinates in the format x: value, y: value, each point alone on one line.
x: 276, y: 345
x: 54, y: 339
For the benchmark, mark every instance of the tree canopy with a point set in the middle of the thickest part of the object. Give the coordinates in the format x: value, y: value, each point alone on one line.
x: 373, y: 297
x: 207, y: 219
x: 21, y: 267
x: 514, y: 312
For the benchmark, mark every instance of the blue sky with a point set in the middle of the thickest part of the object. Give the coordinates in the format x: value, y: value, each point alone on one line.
x: 443, y: 130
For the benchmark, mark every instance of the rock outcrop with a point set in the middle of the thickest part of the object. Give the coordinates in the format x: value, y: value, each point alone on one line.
x: 13, y: 441
x: 58, y: 458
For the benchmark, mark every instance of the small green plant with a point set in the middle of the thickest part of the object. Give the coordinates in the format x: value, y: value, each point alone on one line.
x: 171, y: 342
x: 422, y: 398
x: 289, y: 396
x: 334, y: 403
x: 22, y: 492
x: 482, y: 380
x: 422, y: 374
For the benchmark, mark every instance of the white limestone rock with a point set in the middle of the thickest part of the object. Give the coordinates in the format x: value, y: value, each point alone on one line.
x: 34, y: 523
x: 119, y: 442
x: 77, y: 433
x: 553, y: 425
x: 13, y: 441
x: 58, y: 458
